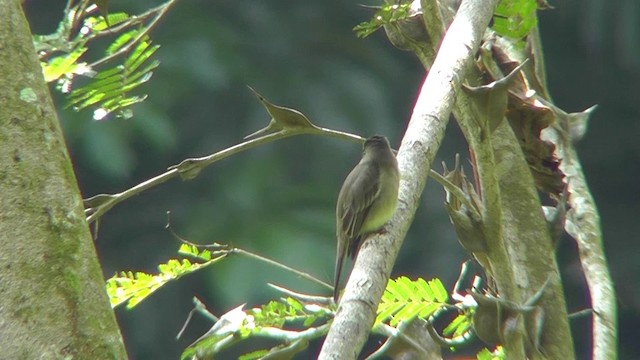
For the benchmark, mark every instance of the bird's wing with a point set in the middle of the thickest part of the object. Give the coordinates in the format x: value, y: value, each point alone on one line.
x: 364, y: 188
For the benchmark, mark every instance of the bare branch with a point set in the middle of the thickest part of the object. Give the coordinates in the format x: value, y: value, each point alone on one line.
x: 583, y: 224
x: 188, y: 169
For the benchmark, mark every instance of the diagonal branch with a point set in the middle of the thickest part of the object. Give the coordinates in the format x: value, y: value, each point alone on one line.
x: 188, y: 169
x: 356, y: 313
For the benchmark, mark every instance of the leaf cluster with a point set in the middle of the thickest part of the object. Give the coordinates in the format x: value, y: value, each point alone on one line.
x: 387, y: 14
x: 109, y: 89
x: 275, y: 320
x: 64, y: 54
x: 290, y: 322
x: 512, y: 18
x: 405, y: 299
x: 133, y: 287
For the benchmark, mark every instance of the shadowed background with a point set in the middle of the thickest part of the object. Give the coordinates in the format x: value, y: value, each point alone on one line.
x: 278, y: 200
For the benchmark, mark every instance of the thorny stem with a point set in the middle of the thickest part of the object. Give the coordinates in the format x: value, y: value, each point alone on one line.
x: 98, y: 205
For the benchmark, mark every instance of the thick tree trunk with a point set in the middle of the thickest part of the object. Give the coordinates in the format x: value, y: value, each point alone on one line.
x: 53, y: 302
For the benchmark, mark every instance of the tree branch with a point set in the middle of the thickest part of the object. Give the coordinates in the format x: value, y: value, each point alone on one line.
x: 98, y: 205
x: 587, y: 233
x: 370, y: 274
x: 583, y: 224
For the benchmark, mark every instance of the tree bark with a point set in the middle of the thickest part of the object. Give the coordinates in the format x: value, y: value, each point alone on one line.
x: 53, y: 302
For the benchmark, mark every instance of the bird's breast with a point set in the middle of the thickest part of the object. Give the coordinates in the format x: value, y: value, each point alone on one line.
x: 384, y: 207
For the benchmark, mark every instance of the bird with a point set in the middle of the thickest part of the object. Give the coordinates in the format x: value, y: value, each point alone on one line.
x: 367, y: 200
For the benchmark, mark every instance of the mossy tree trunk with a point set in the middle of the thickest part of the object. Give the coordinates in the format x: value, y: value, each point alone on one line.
x: 53, y: 303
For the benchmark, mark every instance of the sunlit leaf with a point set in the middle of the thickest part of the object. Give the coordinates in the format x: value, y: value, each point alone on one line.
x: 405, y: 299
x: 242, y: 324
x: 110, y: 89
x: 62, y: 65
x: 121, y: 40
x: 131, y: 288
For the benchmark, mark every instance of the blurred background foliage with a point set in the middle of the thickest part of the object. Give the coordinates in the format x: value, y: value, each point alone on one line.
x: 278, y: 200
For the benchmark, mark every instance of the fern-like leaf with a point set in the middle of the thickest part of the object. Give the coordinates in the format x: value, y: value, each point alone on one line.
x: 99, y: 23
x: 62, y: 65
x: 405, y: 299
x: 193, y: 251
x: 132, y: 288
x: 121, y: 41
x: 485, y: 354
x: 459, y: 327
x: 110, y: 88
x: 268, y: 320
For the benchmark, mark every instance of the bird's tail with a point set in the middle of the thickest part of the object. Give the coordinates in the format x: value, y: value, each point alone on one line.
x: 338, y: 270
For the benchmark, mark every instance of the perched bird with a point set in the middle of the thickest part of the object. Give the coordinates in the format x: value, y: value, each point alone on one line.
x: 366, y: 201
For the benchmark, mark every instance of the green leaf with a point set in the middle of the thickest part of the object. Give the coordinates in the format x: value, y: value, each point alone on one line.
x: 439, y: 290
x: 385, y: 311
x: 110, y: 89
x: 140, y: 54
x: 485, y: 354
x: 192, y: 250
x: 121, y: 41
x: 515, y: 18
x: 132, y: 288
x: 63, y: 65
x: 295, y: 304
x: 267, y: 319
x: 99, y: 23
x: 387, y: 14
x: 459, y: 326
x: 407, y: 312
x: 428, y: 310
x: 405, y: 299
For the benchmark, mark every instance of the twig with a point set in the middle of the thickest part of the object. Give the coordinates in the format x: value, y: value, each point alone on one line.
x: 302, y: 297
x: 130, y: 22
x: 163, y: 10
x: 98, y: 205
x: 198, y: 307
x: 395, y: 334
x: 302, y: 274
x: 224, y: 250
